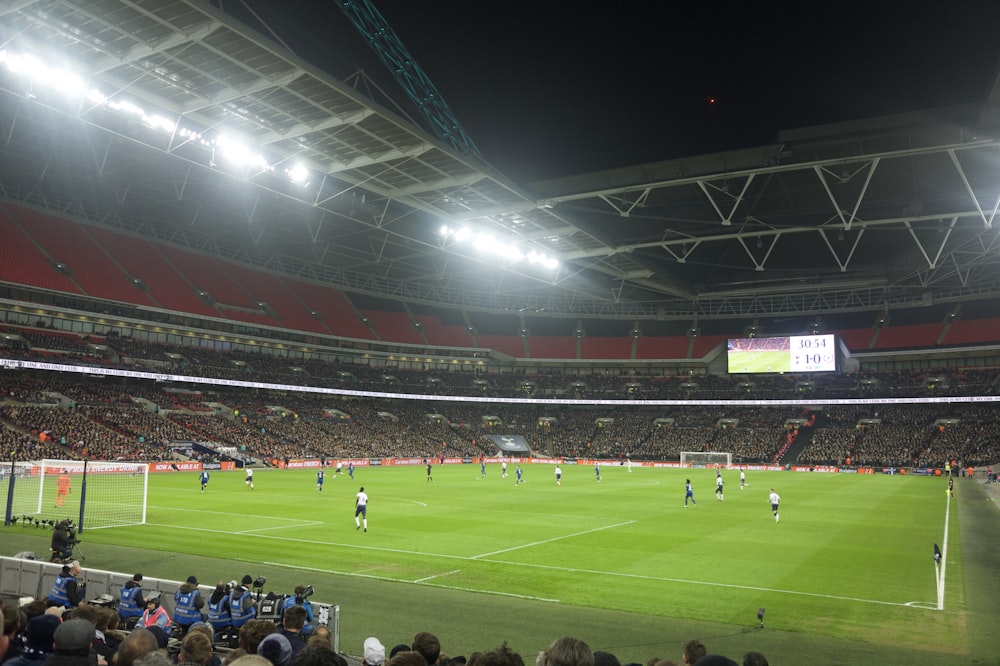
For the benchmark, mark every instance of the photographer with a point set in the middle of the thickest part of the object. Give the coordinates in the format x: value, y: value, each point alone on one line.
x: 130, y: 601
x: 63, y: 541
x: 67, y: 591
x: 242, y: 605
x: 302, y: 592
x: 187, y: 605
x: 218, y: 608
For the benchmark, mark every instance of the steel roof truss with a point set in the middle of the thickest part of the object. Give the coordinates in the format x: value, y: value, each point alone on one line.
x: 725, y: 219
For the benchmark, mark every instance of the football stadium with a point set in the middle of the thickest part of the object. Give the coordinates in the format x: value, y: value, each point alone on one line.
x: 278, y: 331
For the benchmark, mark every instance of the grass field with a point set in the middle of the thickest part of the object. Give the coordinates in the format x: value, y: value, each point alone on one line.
x: 759, y: 361
x: 621, y: 563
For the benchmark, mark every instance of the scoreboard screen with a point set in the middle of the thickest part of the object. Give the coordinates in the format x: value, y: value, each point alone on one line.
x: 793, y: 353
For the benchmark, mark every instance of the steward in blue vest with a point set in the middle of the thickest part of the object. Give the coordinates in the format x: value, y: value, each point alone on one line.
x: 187, y: 604
x: 130, y: 601
x: 218, y: 608
x: 242, y: 605
x: 67, y: 591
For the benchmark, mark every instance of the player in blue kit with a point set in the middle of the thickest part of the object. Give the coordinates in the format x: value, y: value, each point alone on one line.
x: 519, y: 474
x: 319, y: 480
x: 597, y: 472
x: 688, y: 493
x: 204, y: 480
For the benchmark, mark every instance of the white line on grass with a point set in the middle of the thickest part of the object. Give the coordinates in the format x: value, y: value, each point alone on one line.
x: 558, y: 538
x: 408, y: 582
x: 944, y: 554
x: 706, y: 583
x: 447, y: 573
x: 910, y: 604
x: 308, y: 523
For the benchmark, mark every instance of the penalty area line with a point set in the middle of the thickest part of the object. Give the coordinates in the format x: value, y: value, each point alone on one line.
x: 447, y: 573
x: 558, y: 538
x: 386, y: 579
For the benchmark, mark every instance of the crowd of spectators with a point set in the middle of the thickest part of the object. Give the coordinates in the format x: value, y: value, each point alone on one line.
x: 40, y: 633
x: 493, y: 381
x: 74, y: 416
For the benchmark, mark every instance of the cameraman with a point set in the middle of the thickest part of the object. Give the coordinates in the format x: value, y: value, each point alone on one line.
x: 218, y: 608
x: 302, y: 592
x: 63, y: 540
x: 242, y: 605
x: 67, y: 591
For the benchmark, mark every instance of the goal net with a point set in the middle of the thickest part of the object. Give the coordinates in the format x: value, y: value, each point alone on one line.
x: 94, y: 494
x: 707, y: 458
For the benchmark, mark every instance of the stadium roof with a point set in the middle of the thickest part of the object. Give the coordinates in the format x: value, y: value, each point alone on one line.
x: 890, y: 213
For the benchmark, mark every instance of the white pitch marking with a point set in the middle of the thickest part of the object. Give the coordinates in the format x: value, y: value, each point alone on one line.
x: 447, y: 573
x: 558, y: 538
x: 280, y: 527
x: 910, y: 604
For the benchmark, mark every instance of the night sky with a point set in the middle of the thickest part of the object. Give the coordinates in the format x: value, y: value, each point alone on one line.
x: 549, y: 89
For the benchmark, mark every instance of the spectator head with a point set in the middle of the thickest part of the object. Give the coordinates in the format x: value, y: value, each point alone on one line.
x: 402, y: 647
x: 294, y: 618
x: 253, y: 632
x: 715, y: 660
x: 322, y: 632
x: 196, y: 648
x: 137, y: 578
x: 567, y: 651
x: 407, y: 658
x: 276, y: 649
x: 160, y: 634
x: 136, y: 645
x: 502, y: 656
x: 374, y: 654
x: 317, y: 654
x: 754, y: 659
x: 428, y: 645
x: 40, y: 635
x: 693, y: 650
x: 605, y: 659
x: 74, y: 637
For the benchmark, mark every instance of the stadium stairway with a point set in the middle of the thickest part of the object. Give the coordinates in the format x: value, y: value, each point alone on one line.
x: 802, y: 440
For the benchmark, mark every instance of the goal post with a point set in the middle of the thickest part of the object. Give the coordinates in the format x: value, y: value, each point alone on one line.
x: 94, y: 494
x: 707, y: 458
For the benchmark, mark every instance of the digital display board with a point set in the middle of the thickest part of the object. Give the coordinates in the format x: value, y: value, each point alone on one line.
x: 793, y: 353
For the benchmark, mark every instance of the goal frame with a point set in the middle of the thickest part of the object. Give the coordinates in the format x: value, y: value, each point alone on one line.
x: 707, y: 459
x: 95, y: 471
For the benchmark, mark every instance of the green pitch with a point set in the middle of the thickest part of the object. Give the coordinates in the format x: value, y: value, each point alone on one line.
x: 480, y: 560
x: 759, y: 361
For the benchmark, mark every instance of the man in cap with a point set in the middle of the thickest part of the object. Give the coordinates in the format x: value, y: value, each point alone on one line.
x: 276, y: 649
x: 242, y: 605
x: 130, y: 601
x: 187, y: 604
x: 72, y: 643
x: 374, y: 654
x: 38, y: 641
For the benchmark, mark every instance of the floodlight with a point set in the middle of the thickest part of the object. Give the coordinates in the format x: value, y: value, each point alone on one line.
x: 298, y: 174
